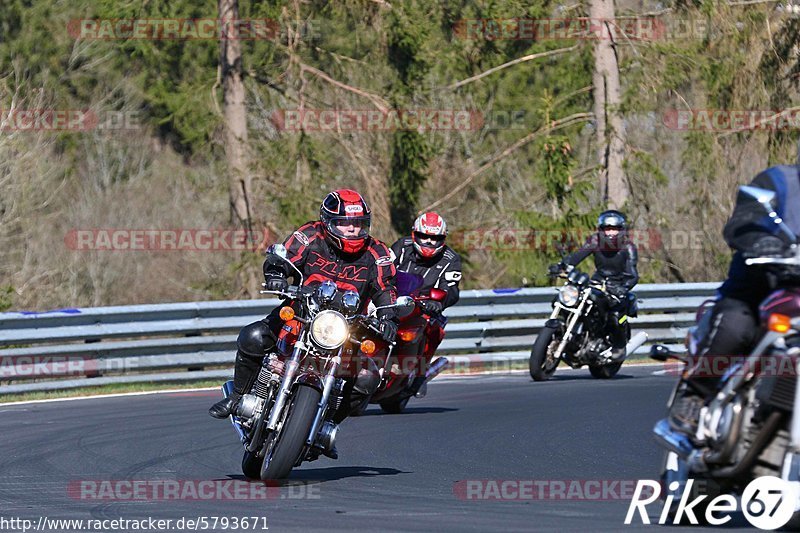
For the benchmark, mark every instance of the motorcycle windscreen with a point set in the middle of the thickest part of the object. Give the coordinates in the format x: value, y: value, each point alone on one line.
x: 407, y: 283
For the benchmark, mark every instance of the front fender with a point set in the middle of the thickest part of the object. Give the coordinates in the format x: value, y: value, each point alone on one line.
x: 310, y: 380
x: 554, y: 323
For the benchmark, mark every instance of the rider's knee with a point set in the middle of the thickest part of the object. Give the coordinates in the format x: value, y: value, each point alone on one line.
x: 255, y: 339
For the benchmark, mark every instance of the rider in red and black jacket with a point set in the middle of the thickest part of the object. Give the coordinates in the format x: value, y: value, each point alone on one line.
x: 338, y: 248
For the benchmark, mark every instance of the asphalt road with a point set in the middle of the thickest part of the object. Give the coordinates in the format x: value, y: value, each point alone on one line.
x: 410, y: 472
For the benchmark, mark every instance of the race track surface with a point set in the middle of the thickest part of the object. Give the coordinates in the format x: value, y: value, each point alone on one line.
x: 405, y: 472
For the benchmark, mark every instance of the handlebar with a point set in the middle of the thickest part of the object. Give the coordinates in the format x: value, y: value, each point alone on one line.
x: 790, y: 261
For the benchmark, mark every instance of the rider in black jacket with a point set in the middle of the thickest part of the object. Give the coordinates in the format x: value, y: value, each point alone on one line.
x: 615, y: 258
x: 734, y: 320
x: 426, y: 254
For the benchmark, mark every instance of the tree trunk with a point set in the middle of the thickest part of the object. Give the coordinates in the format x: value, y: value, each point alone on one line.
x: 610, y: 132
x: 235, y: 118
x: 233, y: 96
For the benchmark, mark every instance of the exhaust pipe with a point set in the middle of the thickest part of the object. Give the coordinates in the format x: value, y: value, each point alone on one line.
x: 672, y: 440
x: 227, y: 390
x: 436, y: 368
x: 633, y: 345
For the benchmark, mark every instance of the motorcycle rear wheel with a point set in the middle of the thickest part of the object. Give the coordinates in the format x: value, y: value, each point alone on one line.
x: 393, y: 407
x: 604, y: 371
x: 292, y: 438
x: 540, y: 369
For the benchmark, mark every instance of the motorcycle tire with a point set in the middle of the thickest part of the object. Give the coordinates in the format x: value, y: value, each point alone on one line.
x: 292, y: 438
x: 251, y: 465
x: 604, y: 371
x: 537, y: 363
x: 394, y: 407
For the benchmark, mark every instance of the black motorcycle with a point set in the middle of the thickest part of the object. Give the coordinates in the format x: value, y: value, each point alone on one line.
x: 285, y: 418
x: 746, y: 428
x: 577, y: 331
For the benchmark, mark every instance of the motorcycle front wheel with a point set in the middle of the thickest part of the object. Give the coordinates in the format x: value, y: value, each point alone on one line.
x: 540, y: 365
x: 285, y: 452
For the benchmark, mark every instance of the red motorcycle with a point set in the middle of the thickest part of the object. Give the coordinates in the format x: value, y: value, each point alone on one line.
x: 409, y: 369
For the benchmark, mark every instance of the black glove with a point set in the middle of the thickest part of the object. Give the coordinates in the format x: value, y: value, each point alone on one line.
x: 432, y: 307
x: 617, y: 291
x: 276, y: 283
x: 555, y: 270
x: 388, y: 330
x: 767, y: 246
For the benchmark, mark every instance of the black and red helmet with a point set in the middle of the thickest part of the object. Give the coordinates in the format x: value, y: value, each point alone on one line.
x: 342, y: 208
x: 432, y: 228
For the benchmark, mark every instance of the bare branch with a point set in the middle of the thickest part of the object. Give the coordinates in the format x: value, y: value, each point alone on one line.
x: 511, y: 64
x: 377, y: 101
x: 554, y: 125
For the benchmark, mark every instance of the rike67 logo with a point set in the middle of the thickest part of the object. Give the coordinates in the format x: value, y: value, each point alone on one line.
x: 767, y: 503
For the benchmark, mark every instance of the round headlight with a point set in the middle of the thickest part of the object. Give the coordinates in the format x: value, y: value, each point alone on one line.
x: 329, y: 330
x: 568, y: 295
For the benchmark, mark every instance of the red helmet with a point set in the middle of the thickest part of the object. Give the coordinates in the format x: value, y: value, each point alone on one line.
x: 345, y: 207
x: 429, y: 226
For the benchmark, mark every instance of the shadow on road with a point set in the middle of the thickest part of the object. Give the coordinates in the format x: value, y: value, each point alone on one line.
x: 319, y: 475
x: 579, y: 376
x: 342, y: 472
x: 411, y: 411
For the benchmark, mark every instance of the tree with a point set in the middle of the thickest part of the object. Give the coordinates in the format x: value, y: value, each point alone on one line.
x: 235, y: 116
x: 605, y: 81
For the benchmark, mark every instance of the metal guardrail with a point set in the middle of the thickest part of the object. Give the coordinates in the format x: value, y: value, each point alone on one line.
x: 70, y: 348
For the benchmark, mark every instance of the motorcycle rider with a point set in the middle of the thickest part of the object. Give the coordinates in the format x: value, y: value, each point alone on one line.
x: 426, y: 254
x: 615, y: 258
x: 338, y: 248
x: 733, y: 322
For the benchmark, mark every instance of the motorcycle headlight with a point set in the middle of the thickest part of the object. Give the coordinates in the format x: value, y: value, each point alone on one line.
x: 329, y: 330
x: 568, y: 295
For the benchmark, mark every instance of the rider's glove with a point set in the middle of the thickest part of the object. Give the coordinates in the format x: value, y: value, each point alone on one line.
x: 276, y: 283
x: 432, y: 307
x: 617, y: 291
x: 555, y: 270
x: 388, y: 330
x: 767, y: 246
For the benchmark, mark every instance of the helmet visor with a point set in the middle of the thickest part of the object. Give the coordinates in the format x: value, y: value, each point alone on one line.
x: 431, y: 240
x: 348, y: 227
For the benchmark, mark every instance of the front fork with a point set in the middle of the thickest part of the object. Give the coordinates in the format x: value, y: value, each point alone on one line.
x: 576, y: 315
x: 327, y: 385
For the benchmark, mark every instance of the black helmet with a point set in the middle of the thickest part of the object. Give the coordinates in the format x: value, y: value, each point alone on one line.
x: 611, y: 219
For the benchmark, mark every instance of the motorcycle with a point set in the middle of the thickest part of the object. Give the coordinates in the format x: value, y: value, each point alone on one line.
x: 407, y: 373
x: 577, y: 331
x: 285, y: 418
x: 748, y: 428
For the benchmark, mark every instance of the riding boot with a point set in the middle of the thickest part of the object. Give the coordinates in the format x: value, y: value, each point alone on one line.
x: 245, y: 372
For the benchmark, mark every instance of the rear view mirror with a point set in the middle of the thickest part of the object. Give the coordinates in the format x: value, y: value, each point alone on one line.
x: 405, y: 305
